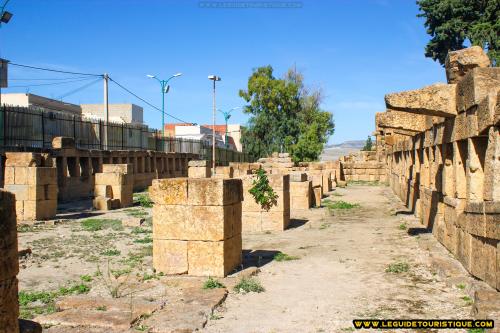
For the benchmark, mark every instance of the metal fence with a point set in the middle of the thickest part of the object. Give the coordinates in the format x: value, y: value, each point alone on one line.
x: 32, y: 128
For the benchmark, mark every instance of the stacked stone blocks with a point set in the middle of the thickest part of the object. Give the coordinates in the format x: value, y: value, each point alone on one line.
x: 197, y: 226
x: 199, y: 169
x: 33, y: 180
x: 114, y: 187
x: 300, y: 192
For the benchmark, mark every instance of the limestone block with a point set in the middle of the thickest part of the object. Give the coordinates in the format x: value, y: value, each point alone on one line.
x: 486, y: 305
x: 214, y: 258
x: 172, y: 191
x: 318, y: 194
x: 9, y: 266
x: 102, y: 203
x: 199, y: 171
x: 41, y: 176
x: 464, y: 240
x: 400, y: 120
x: 21, y: 175
x: 170, y: 256
x: 477, y: 260
x: 476, y: 85
x: 476, y: 224
x: 204, y: 223
x: 492, y: 226
x: 485, y: 111
x: 112, y: 179
x: 275, y: 220
x: 434, y: 100
x: 103, y: 191
x: 23, y: 159
x: 492, y: 166
x: 224, y: 172
x: 61, y: 142
x: 214, y: 192
x: 118, y: 168
x: 251, y: 221
x: 21, y: 191
x: 9, y: 306
x: 458, y: 63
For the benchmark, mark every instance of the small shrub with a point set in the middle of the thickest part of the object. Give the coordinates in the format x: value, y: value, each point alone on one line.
x: 280, y: 256
x: 147, y: 277
x: 140, y: 230
x: 143, y: 200
x: 25, y: 228
x: 86, y: 278
x: 111, y: 252
x: 248, y: 285
x: 468, y: 300
x: 101, y: 308
x: 144, y: 240
x: 76, y: 289
x: 212, y: 283
x: 476, y: 330
x: 323, y: 226
x: 461, y: 286
x: 398, y: 267
x: 340, y: 205
x: 262, y: 192
x: 403, y: 226
x: 101, y: 224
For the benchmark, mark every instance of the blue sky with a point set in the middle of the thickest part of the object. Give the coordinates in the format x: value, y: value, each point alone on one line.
x: 354, y: 50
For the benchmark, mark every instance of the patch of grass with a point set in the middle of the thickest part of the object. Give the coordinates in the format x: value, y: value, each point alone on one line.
x: 143, y: 200
x: 119, y: 272
x: 348, y: 329
x: 25, y: 228
x: 468, y: 300
x: 212, y: 283
x: 101, y: 308
x: 146, y: 276
x: 75, y: 289
x: 101, y: 224
x: 324, y: 226
x: 86, y: 278
x: 461, y: 286
x: 403, y: 226
x: 141, y: 328
x: 136, y: 212
x: 476, y: 330
x: 248, y: 284
x: 140, y: 230
x: 398, y: 267
x: 214, y: 316
x: 364, y: 182
x: 340, y: 205
x: 144, y: 240
x: 280, y: 256
x: 111, y: 252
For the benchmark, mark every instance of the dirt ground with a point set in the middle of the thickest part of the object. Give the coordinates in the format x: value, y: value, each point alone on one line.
x: 371, y: 260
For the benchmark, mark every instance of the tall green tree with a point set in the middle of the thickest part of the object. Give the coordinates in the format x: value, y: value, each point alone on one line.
x: 285, y: 116
x: 453, y: 22
x: 368, y: 144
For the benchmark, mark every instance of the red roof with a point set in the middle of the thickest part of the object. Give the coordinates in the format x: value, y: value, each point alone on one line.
x: 221, y: 129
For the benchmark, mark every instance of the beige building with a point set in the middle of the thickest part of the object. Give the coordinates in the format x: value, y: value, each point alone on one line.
x: 123, y: 113
x: 48, y: 104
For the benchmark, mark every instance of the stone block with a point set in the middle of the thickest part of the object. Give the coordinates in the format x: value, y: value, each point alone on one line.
x: 318, y: 194
x: 9, y: 266
x: 214, y: 258
x: 485, y: 112
x: 214, y: 192
x: 118, y: 168
x: 224, y: 172
x: 170, y: 256
x: 62, y: 142
x: 198, y: 163
x: 458, y: 63
x: 23, y: 159
x: 476, y: 85
x: 172, y: 191
x: 21, y: 191
x: 492, y: 166
x: 492, y: 226
x: 275, y: 220
x: 102, y: 203
x: 112, y: 179
x: 9, y: 306
x: 434, y: 100
x: 124, y: 194
x: 251, y: 221
x: 103, y: 191
x: 199, y: 172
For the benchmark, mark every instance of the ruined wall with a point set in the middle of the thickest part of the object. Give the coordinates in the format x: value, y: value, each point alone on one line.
x: 364, y: 166
x: 449, y: 173
x: 114, y: 187
x: 9, y: 264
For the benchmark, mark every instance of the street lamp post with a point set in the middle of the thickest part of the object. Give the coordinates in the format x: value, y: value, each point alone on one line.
x: 227, y: 115
x: 164, y: 89
x: 213, y: 78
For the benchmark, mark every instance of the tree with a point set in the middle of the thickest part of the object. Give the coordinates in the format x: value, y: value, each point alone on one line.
x: 453, y: 22
x: 368, y: 144
x: 285, y: 116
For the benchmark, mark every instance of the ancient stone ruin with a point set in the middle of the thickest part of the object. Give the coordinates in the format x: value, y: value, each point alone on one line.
x: 441, y: 144
x: 114, y: 187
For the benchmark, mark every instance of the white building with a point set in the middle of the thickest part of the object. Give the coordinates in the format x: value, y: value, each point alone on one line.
x: 44, y: 103
x: 197, y: 132
x: 118, y: 113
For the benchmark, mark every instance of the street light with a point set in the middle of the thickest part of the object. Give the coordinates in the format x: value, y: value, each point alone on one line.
x: 227, y: 115
x: 164, y: 89
x: 5, y: 16
x: 213, y: 78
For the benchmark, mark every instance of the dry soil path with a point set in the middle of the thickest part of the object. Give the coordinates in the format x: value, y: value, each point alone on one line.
x: 341, y: 273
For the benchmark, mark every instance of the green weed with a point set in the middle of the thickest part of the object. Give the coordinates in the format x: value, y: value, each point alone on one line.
x: 398, y: 267
x: 280, y: 256
x: 212, y: 283
x: 248, y: 284
x: 101, y: 224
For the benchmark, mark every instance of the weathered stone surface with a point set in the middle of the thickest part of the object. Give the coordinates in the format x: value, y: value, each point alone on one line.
x: 214, y: 192
x: 199, y: 171
x: 486, y: 305
x: 198, y: 163
x: 435, y: 100
x: 169, y: 191
x: 400, y: 120
x: 476, y: 85
x: 114, y: 321
x: 23, y: 159
x: 62, y: 142
x: 118, y: 168
x: 318, y: 194
x: 9, y: 306
x: 9, y: 266
x: 458, y: 63
x: 132, y: 222
x: 170, y: 256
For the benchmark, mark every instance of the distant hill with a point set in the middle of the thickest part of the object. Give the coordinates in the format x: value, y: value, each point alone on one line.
x: 333, y: 152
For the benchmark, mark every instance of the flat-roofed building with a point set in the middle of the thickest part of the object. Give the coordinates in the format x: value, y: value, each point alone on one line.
x: 127, y: 113
x: 40, y: 102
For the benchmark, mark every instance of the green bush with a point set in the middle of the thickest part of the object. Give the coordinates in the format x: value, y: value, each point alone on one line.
x: 280, y: 256
x: 262, y: 192
x: 248, y: 284
x: 212, y: 283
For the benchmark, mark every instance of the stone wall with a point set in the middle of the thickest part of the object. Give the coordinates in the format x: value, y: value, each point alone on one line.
x: 197, y: 226
x: 9, y: 264
x: 32, y: 178
x: 449, y: 173
x: 364, y: 166
x: 114, y: 187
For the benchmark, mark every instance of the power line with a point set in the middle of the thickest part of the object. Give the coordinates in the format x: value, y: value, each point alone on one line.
x: 53, y: 70
x: 49, y: 84
x: 48, y: 79
x: 148, y: 103
x: 80, y: 88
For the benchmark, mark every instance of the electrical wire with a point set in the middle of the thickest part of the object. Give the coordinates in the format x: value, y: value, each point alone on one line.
x: 49, y: 79
x: 49, y: 84
x: 148, y: 103
x: 78, y: 89
x: 54, y: 70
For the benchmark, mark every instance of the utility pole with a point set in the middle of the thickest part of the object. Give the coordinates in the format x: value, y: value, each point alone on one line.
x: 213, y: 78
x: 106, y: 111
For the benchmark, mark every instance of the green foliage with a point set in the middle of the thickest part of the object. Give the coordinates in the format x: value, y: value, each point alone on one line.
x: 468, y: 300
x: 262, y: 192
x: 280, y: 256
x: 284, y: 116
x: 453, y: 23
x: 339, y: 204
x: 212, y: 283
x: 143, y: 200
x: 398, y: 267
x: 368, y: 144
x: 86, y: 278
x: 101, y: 224
x: 403, y: 226
x: 111, y: 252
x: 248, y: 284
x: 461, y: 286
x: 144, y: 240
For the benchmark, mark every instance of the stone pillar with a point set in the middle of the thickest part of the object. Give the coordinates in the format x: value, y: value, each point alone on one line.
x: 114, y: 187
x: 198, y: 169
x: 196, y: 226
x: 277, y: 218
x: 9, y: 264
x: 318, y: 194
x: 300, y: 192
x: 224, y: 172
x: 33, y: 180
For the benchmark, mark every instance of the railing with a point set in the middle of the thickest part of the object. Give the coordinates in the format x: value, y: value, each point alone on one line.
x: 31, y: 128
